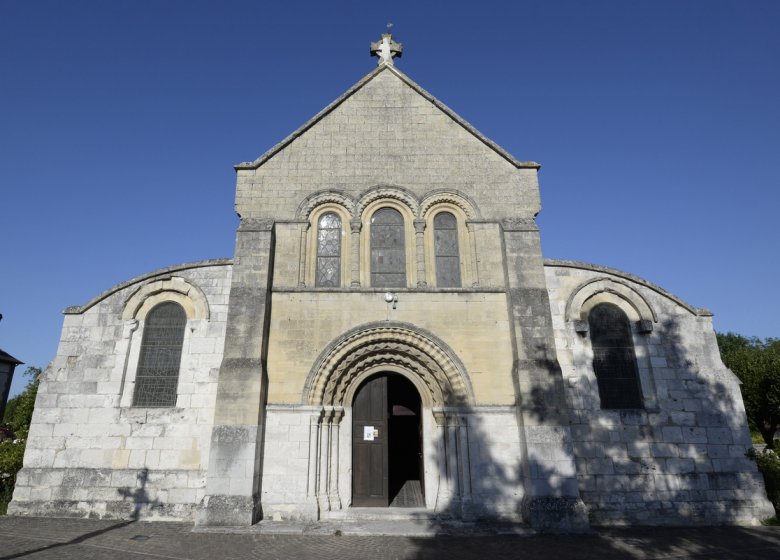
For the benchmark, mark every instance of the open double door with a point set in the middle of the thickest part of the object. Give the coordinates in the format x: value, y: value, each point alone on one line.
x: 387, y: 443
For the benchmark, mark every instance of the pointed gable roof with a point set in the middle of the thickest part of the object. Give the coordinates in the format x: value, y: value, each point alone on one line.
x: 412, y: 84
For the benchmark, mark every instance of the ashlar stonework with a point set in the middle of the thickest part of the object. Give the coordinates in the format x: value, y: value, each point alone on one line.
x: 556, y: 393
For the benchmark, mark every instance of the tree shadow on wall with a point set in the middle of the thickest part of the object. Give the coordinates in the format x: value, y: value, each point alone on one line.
x: 139, y: 499
x: 139, y: 496
x: 679, y: 462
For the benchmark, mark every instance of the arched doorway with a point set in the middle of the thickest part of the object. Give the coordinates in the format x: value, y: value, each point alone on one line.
x: 387, y: 460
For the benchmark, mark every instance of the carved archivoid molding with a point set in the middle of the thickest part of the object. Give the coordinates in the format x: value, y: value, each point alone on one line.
x: 428, y: 363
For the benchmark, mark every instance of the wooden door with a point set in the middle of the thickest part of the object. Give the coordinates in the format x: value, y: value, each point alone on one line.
x: 369, y: 444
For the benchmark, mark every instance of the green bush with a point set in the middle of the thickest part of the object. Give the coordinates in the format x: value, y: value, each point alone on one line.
x: 16, y: 421
x: 769, y: 465
x: 11, y: 455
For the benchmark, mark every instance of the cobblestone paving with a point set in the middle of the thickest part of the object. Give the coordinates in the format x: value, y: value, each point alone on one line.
x: 66, y: 539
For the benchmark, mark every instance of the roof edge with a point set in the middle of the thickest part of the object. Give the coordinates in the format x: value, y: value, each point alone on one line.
x: 311, y: 122
x: 79, y: 309
x: 248, y: 165
x: 464, y: 123
x: 698, y: 311
x: 7, y: 358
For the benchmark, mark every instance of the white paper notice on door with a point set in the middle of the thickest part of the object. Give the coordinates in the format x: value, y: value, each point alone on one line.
x: 368, y: 433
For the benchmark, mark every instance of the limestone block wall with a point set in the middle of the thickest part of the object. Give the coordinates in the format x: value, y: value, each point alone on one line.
x: 472, y: 462
x: 386, y: 132
x: 288, y: 490
x: 679, y: 459
x: 473, y: 323
x: 90, y: 452
x: 496, y: 460
x: 295, y: 246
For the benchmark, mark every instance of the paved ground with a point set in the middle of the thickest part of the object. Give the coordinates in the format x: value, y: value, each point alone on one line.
x: 90, y: 539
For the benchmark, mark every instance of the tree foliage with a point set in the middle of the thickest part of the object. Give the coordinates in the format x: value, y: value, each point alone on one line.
x: 757, y: 364
x: 16, y: 420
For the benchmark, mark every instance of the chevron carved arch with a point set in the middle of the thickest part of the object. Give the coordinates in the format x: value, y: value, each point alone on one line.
x: 419, y: 355
x: 312, y: 201
x: 446, y: 196
x: 388, y: 192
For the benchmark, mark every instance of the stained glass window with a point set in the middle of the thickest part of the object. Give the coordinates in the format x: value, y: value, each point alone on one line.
x: 158, y: 365
x: 445, y: 241
x: 388, y: 253
x: 614, y: 361
x: 328, y: 251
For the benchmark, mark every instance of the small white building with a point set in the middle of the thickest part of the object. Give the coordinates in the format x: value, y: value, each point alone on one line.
x: 388, y: 334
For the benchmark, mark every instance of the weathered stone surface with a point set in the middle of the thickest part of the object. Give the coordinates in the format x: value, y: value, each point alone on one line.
x: 511, y: 415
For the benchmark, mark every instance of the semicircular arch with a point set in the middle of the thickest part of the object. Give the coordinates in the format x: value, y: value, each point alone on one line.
x: 603, y: 290
x: 388, y: 192
x: 177, y: 289
x: 312, y: 201
x: 453, y: 197
x: 430, y: 363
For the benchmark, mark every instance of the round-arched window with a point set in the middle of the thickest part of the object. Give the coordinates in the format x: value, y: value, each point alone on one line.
x: 328, y: 251
x: 614, y: 360
x: 157, y: 376
x: 388, y: 253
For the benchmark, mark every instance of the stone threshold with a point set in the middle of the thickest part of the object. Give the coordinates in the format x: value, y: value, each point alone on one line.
x: 392, y: 524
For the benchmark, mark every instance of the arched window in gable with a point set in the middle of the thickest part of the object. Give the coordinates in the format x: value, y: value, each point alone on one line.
x: 157, y: 376
x: 614, y: 360
x: 328, y: 251
x: 445, y: 232
x: 388, y: 253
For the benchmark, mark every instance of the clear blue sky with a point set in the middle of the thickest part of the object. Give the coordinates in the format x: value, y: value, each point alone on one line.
x: 657, y: 124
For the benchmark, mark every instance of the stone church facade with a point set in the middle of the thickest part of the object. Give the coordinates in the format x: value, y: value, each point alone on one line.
x: 388, y: 334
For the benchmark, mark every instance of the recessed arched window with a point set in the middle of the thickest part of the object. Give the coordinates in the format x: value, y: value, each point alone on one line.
x: 157, y: 376
x: 388, y: 255
x: 328, y: 251
x: 445, y: 242
x: 614, y: 360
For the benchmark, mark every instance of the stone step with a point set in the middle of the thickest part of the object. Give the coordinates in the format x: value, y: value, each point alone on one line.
x: 379, y: 514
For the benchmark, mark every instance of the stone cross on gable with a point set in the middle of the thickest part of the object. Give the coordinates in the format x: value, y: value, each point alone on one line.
x: 386, y: 49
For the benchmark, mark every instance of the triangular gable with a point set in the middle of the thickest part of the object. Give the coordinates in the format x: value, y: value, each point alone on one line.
x: 412, y: 84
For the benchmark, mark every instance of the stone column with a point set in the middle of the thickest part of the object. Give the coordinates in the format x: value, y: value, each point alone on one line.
x: 552, y: 501
x: 235, y: 458
x: 453, y: 463
x: 473, y: 254
x: 355, y: 227
x: 123, y: 348
x: 454, y: 493
x: 333, y: 492
x: 302, y: 257
x: 464, y: 466
x: 315, y: 425
x: 444, y: 491
x: 323, y: 467
x: 419, y: 238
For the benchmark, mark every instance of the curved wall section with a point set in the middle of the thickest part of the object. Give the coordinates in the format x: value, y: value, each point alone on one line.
x: 665, y: 461
x: 90, y: 452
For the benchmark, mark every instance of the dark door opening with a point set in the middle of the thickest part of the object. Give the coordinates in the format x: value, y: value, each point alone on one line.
x: 387, y: 466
